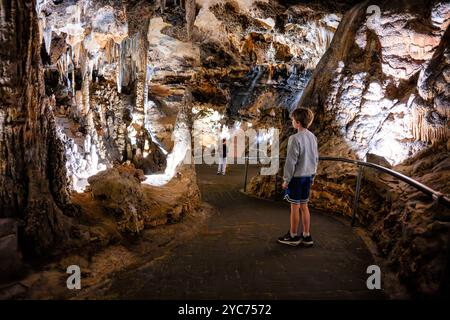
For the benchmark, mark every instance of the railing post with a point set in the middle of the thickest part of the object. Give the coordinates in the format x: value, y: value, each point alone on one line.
x: 246, y: 173
x: 357, y: 194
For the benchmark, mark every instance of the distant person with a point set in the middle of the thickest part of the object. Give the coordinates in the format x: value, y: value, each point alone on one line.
x: 299, y: 171
x: 222, y: 158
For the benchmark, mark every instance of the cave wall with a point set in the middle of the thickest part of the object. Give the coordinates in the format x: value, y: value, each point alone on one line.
x: 34, y: 186
x: 367, y: 89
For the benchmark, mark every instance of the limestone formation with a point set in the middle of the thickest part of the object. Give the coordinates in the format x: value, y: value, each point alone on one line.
x: 135, y: 206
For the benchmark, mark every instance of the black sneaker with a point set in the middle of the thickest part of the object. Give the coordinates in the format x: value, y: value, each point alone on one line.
x: 287, y: 239
x: 307, y: 241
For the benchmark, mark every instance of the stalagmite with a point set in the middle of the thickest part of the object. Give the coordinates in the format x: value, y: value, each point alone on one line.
x: 119, y: 71
x: 73, y: 69
x: 152, y: 116
x: 190, y: 17
x: 85, y: 90
x: 181, y: 149
x: 271, y: 53
x: 48, y: 38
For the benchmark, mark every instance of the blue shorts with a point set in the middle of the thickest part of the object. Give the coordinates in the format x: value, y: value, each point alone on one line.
x: 298, y: 190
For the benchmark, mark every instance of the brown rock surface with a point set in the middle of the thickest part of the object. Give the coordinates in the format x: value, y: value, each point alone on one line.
x: 120, y: 193
x: 33, y: 178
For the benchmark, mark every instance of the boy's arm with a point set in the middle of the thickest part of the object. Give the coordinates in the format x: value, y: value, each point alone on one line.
x: 291, y: 159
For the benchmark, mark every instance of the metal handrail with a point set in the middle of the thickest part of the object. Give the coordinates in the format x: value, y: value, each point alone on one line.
x: 435, y: 195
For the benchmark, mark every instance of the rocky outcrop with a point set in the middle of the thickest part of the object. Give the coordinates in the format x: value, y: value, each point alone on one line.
x: 406, y: 228
x: 369, y: 88
x: 402, y: 221
x: 136, y: 206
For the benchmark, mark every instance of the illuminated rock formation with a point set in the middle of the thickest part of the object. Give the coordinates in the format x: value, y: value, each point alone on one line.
x: 375, y: 94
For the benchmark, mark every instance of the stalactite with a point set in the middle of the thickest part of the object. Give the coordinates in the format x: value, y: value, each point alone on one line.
x: 423, y: 130
x: 129, y: 59
x: 62, y: 67
x: 270, y: 73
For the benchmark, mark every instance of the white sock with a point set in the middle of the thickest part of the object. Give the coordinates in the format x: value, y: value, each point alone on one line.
x: 305, y: 234
x: 293, y: 234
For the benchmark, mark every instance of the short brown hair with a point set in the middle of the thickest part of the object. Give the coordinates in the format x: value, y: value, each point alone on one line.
x: 304, y: 116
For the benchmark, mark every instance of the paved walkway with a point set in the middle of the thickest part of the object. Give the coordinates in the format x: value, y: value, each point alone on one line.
x: 237, y: 256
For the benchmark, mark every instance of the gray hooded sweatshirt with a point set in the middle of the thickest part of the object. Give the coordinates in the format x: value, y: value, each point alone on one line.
x: 302, y: 156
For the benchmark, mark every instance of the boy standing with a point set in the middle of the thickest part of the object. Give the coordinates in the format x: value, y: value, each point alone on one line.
x: 299, y: 171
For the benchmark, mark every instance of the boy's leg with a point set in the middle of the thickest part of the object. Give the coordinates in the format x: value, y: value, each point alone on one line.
x: 304, y: 210
x: 306, y: 217
x: 292, y: 238
x: 295, y: 218
x: 292, y: 195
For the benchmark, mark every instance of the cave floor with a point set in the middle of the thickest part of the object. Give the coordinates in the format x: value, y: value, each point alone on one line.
x: 236, y: 255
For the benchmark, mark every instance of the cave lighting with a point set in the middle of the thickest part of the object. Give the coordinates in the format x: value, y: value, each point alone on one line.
x: 225, y: 133
x: 182, y: 146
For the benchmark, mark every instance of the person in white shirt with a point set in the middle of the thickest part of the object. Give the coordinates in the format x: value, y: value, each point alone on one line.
x: 222, y: 158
